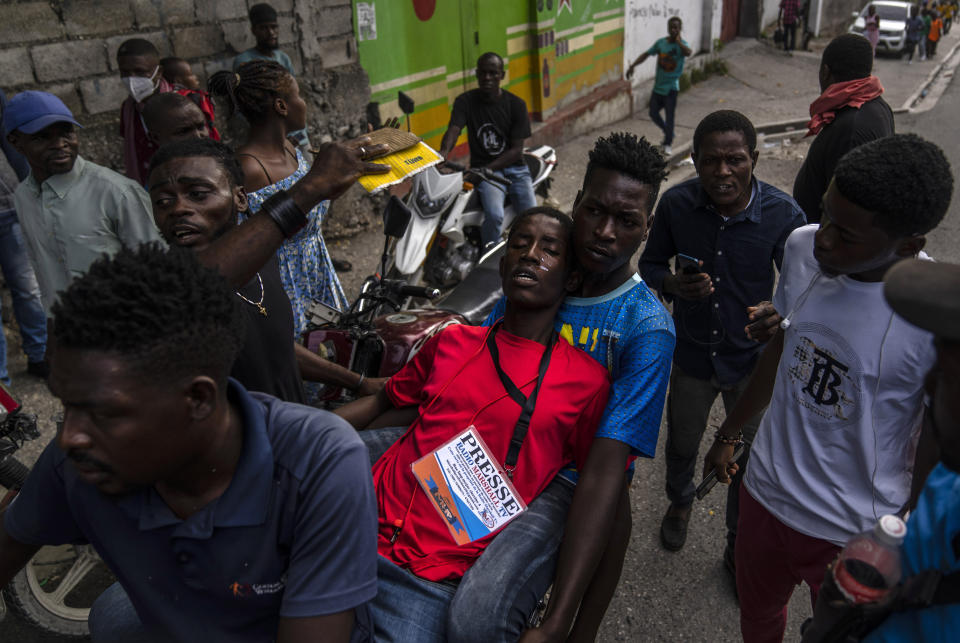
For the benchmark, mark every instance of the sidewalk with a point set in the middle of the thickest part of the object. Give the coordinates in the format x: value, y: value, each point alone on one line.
x: 762, y: 82
x: 770, y: 86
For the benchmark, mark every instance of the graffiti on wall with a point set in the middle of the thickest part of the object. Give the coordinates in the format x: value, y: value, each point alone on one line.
x: 636, y: 10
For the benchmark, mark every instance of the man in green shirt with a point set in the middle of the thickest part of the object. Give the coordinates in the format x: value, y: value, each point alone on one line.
x: 71, y: 210
x: 671, y: 52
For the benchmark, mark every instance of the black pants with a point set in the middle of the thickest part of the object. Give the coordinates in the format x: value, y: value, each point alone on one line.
x: 790, y: 37
x: 668, y: 104
x: 910, y: 47
x: 931, y: 48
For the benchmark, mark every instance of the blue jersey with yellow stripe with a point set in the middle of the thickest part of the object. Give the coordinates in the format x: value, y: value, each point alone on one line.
x: 630, y: 332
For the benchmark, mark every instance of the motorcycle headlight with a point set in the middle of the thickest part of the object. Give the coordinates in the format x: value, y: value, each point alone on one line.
x: 426, y: 204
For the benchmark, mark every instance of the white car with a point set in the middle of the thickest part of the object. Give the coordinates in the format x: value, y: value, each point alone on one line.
x: 893, y: 24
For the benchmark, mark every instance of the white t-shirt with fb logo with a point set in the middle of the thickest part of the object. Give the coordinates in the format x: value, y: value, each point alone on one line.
x: 835, y: 449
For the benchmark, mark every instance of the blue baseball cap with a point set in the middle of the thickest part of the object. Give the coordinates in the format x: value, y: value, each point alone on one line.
x: 31, y: 111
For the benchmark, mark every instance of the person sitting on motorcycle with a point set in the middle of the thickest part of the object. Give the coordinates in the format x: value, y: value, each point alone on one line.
x: 196, y: 188
x: 482, y: 379
x: 225, y: 515
x: 497, y: 124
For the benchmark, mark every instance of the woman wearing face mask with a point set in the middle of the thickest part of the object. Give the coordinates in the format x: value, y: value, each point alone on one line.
x: 269, y: 98
x: 139, y: 63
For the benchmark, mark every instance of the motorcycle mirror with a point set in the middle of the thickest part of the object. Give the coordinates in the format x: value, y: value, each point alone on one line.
x: 405, y: 102
x: 406, y: 106
x: 396, y: 218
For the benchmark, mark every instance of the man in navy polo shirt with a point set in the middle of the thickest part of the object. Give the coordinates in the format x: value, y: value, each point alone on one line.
x: 225, y: 515
x: 732, y: 229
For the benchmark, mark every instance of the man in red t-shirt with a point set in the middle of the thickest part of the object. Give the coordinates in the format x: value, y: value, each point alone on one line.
x: 456, y: 382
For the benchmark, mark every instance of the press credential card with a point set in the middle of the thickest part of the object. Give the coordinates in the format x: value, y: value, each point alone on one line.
x: 468, y: 487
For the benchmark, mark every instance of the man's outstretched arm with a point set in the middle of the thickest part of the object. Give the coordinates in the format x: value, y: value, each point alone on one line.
x: 587, y: 533
x: 242, y: 251
x: 639, y: 61
x: 756, y: 396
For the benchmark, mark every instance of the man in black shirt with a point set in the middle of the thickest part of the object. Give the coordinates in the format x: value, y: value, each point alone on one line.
x: 849, y: 113
x: 730, y: 228
x: 196, y: 188
x: 497, y: 124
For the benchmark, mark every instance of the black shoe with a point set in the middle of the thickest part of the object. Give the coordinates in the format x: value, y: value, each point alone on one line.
x: 341, y: 265
x: 39, y: 369
x: 673, y: 530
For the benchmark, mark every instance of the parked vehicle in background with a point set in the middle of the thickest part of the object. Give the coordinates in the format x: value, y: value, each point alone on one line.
x: 893, y: 24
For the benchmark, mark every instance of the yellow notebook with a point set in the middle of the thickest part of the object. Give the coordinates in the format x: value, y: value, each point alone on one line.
x: 404, y: 163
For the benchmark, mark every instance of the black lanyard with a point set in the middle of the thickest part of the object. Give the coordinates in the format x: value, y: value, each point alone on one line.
x: 527, y: 404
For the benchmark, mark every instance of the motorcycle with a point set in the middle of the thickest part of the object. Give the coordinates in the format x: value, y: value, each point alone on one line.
x: 442, y: 244
x: 55, y: 589
x: 375, y: 337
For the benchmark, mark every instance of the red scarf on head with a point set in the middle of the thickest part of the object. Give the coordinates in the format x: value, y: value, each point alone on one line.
x: 852, y: 93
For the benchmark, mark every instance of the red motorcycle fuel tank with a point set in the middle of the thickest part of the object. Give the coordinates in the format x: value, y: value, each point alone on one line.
x: 404, y: 333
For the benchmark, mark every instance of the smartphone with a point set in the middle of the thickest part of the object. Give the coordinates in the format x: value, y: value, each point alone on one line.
x: 688, y: 265
x: 711, y: 480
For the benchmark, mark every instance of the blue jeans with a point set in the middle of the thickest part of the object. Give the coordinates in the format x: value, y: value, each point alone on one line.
x: 409, y: 609
x: 668, y: 104
x: 379, y: 440
x: 113, y: 619
x: 24, y: 292
x: 500, y: 592
x: 492, y: 196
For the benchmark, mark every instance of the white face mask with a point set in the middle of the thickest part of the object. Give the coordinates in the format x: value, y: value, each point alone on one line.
x: 140, y: 87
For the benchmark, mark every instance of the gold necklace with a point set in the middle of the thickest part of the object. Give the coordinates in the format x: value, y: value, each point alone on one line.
x: 257, y: 304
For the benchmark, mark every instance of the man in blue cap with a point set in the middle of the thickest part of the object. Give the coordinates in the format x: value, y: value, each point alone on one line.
x: 71, y: 210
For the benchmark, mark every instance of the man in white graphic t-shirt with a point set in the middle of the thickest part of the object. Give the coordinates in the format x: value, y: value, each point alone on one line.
x: 843, y: 379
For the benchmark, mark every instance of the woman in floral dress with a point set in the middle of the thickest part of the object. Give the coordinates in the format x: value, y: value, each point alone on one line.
x: 269, y: 98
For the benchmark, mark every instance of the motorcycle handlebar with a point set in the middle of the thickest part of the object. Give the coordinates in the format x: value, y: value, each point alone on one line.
x: 405, y: 290
x: 482, y: 172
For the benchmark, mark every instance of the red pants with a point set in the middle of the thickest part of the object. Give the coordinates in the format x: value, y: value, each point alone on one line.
x: 771, y: 560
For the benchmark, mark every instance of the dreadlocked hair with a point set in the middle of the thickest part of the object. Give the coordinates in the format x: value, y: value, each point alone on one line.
x: 631, y: 156
x: 159, y: 308
x: 904, y: 180
x: 252, y: 89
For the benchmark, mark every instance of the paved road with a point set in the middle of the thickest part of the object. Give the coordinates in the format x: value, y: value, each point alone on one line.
x: 687, y: 596
x: 683, y: 596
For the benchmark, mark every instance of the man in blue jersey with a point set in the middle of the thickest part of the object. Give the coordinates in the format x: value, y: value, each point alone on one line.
x: 620, y: 323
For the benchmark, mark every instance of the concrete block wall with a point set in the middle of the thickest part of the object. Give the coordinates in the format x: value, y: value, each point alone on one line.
x: 68, y: 47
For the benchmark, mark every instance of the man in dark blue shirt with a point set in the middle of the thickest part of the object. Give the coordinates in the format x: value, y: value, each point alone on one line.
x: 225, y: 515
x: 730, y: 229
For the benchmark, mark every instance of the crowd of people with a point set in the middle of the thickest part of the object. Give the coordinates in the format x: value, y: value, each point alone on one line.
x: 165, y: 308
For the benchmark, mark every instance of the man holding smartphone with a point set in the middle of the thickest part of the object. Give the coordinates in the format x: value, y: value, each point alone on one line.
x: 727, y: 231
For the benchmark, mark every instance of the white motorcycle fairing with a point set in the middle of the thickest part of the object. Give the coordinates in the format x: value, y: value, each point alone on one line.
x: 430, y: 193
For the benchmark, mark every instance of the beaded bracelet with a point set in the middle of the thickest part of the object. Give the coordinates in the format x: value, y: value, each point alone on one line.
x: 285, y: 213
x: 725, y: 439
